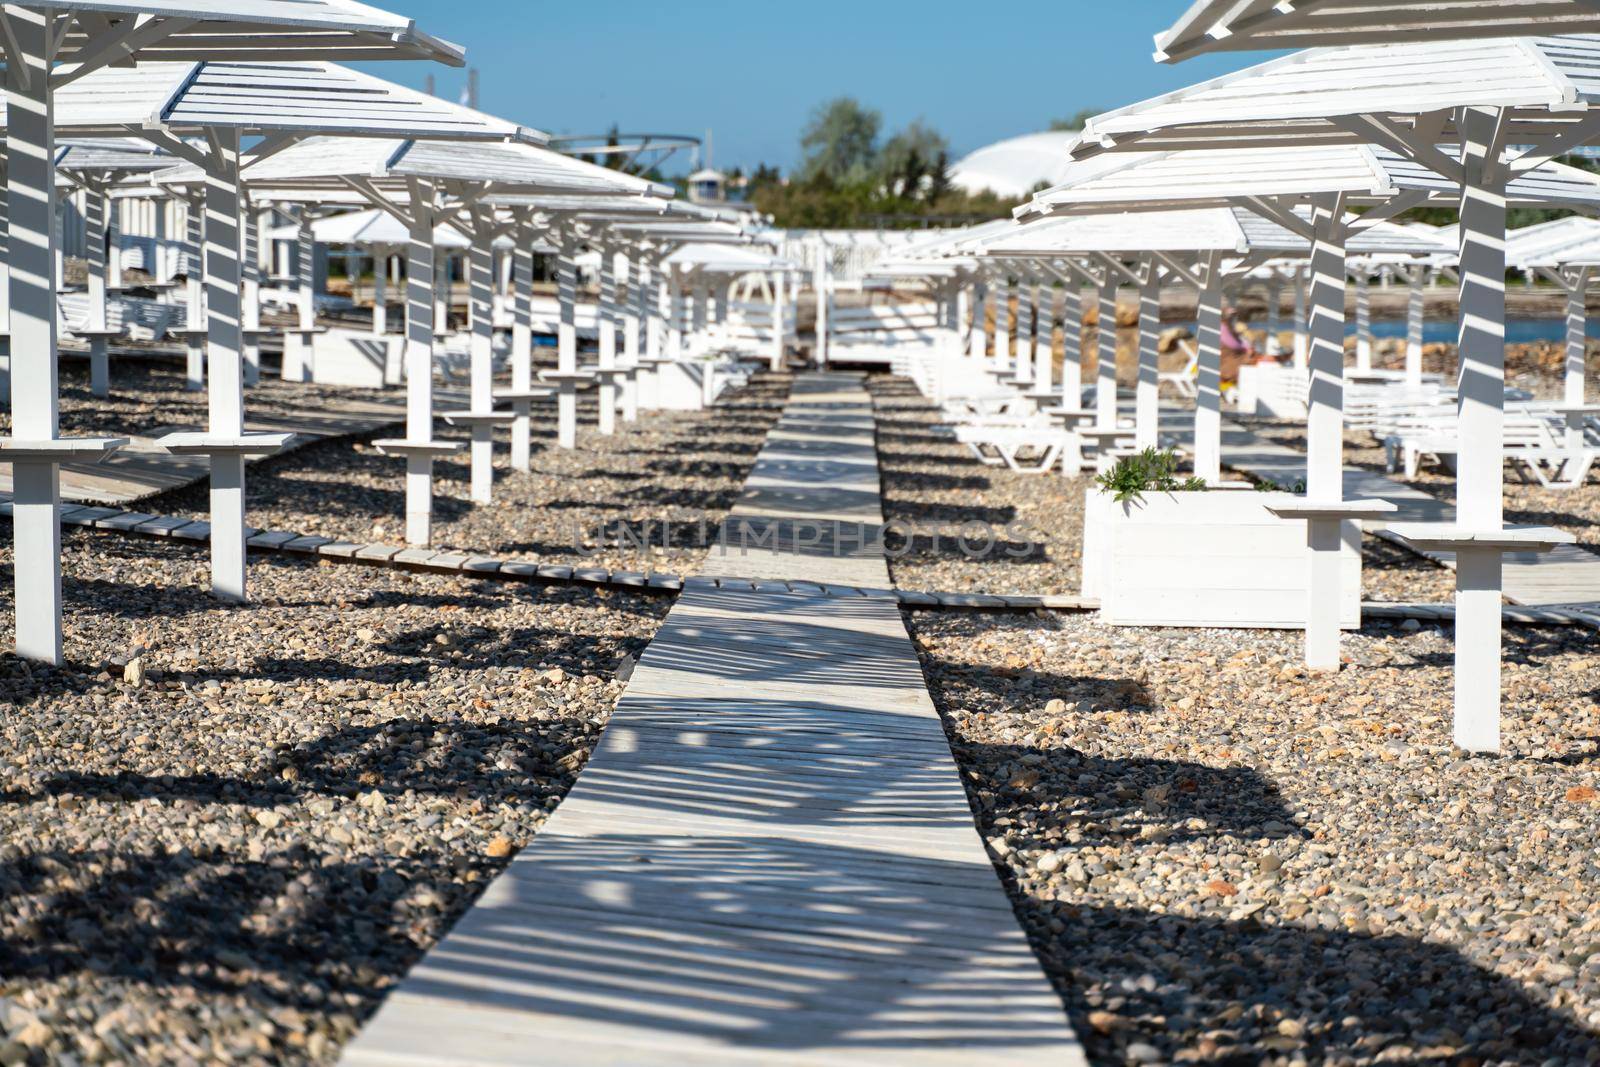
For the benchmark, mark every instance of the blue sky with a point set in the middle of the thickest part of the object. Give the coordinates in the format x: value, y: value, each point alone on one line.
x: 751, y: 72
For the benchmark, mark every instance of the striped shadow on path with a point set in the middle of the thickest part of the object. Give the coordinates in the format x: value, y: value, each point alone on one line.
x: 770, y: 858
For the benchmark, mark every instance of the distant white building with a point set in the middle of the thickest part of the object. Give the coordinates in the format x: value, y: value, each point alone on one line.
x: 708, y: 187
x: 1014, y: 167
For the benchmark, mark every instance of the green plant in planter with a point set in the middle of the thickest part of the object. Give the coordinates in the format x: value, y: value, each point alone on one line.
x: 1151, y: 471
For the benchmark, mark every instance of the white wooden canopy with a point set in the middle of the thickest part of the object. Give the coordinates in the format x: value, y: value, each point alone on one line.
x: 388, y: 164
x: 160, y: 30
x: 1553, y: 244
x: 116, y: 157
x: 610, y: 207
x: 375, y: 228
x: 262, y: 98
x: 1239, y: 25
x: 1399, y: 95
x: 725, y: 259
x: 1362, y: 173
x: 1223, y: 229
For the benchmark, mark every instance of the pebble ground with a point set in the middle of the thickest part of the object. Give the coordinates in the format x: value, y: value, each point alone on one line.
x: 648, y: 498
x: 1222, y: 859
x: 225, y: 832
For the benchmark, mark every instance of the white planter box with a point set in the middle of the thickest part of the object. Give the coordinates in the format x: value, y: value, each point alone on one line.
x: 356, y: 358
x: 1216, y: 558
x: 1272, y: 390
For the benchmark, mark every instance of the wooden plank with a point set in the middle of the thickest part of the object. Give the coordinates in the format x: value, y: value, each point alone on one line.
x: 768, y: 860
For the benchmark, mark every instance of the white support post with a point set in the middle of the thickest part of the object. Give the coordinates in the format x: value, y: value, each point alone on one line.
x: 380, y: 292
x: 1022, y: 341
x: 1481, y: 412
x: 1302, y: 339
x: 5, y: 287
x: 1044, y: 340
x: 628, y: 314
x: 606, y: 357
x: 1363, y: 321
x: 1002, y: 323
x: 113, y: 244
x: 978, y: 335
x: 1325, y: 431
x: 306, y: 273
x: 823, y: 284
x: 1105, y: 387
x: 963, y: 313
x: 441, y: 296
x: 675, y: 315
x: 1414, y: 308
x: 1576, y: 280
x: 1072, y: 344
x: 567, y: 342
x: 31, y: 196
x: 480, y: 288
x: 224, y: 365
x: 419, y: 372
x: 251, y: 293
x: 522, y: 352
x: 1208, y: 382
x: 95, y: 234
x: 194, y: 378
x: 1147, y: 400
x: 780, y: 324
x: 163, y: 266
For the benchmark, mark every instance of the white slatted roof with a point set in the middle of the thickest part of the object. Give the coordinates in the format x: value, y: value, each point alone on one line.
x: 1553, y: 244
x: 1220, y: 176
x: 319, y: 168
x: 265, y: 98
x: 1309, y: 97
x: 110, y: 157
x: 724, y: 259
x: 166, y: 30
x: 612, y: 207
x: 320, y: 164
x: 1236, y: 25
x: 1199, y: 230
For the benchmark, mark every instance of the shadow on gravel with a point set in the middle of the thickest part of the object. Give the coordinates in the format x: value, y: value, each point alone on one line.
x: 1159, y: 975
x: 296, y: 928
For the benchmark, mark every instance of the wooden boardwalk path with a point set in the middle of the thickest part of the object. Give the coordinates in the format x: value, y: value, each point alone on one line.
x: 770, y: 859
x: 1566, y: 577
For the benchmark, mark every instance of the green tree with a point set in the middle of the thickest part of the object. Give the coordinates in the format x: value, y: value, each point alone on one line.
x: 907, y: 162
x: 840, y: 142
x: 1076, y: 122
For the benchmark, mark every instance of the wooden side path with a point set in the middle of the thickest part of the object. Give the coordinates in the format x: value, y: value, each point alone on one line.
x: 769, y: 860
x: 1566, y: 577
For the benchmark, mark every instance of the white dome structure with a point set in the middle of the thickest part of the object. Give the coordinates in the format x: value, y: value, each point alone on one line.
x: 1013, y: 168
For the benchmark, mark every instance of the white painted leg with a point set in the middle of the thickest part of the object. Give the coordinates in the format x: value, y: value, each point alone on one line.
x: 419, y: 500
x: 194, y: 362
x: 1208, y: 386
x: 1322, y: 609
x: 1105, y: 381
x: 1478, y: 622
x: 36, y: 528
x: 227, y: 528
x: 567, y: 415
x: 99, y: 367
x: 482, y: 463
x: 1414, y: 309
x: 608, y: 407
x: 522, y: 437
x: 1363, y: 322
x: 1480, y: 407
x: 1147, y: 402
